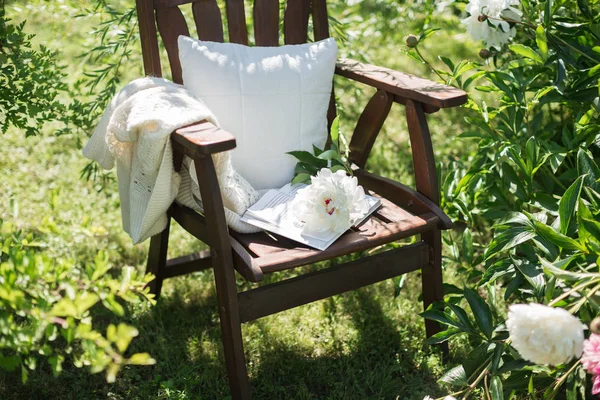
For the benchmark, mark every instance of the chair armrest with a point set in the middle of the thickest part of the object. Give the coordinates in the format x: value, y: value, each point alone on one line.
x: 203, y: 138
x: 401, y: 195
x: 402, y: 85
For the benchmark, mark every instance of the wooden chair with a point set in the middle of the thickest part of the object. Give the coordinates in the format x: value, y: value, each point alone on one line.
x: 405, y: 211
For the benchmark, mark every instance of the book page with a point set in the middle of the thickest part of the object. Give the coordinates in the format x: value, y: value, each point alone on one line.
x: 273, y: 213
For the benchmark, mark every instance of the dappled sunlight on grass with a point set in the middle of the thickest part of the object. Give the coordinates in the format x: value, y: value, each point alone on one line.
x: 361, y: 345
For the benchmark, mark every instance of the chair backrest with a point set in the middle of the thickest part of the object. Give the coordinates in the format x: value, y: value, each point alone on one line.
x: 168, y: 18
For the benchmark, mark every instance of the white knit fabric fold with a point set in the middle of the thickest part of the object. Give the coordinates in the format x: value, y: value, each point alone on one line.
x: 135, y: 132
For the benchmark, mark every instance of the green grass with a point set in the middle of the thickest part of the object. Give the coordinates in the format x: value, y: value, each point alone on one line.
x: 361, y: 345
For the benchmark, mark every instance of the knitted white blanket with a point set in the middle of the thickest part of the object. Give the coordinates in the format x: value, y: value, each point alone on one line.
x: 135, y: 132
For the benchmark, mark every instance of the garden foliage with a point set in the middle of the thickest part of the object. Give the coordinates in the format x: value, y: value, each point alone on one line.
x: 529, y: 199
x: 47, y: 304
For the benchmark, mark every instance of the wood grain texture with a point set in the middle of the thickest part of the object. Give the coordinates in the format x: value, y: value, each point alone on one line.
x: 320, y: 19
x: 432, y: 282
x: 160, y: 4
x: 266, y: 22
x: 203, y: 138
x: 191, y: 221
x: 157, y: 259
x: 403, y: 196
x: 148, y: 38
x: 171, y: 24
x: 368, y: 126
x: 273, y: 253
x: 231, y: 332
x: 295, y: 21
x: 187, y: 264
x: 209, y: 23
x: 401, y: 84
x: 277, y: 297
x: 426, y: 180
x: 236, y: 21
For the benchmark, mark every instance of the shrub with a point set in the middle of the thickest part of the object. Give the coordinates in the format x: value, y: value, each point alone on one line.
x: 45, y: 309
x: 46, y: 303
x: 535, y: 176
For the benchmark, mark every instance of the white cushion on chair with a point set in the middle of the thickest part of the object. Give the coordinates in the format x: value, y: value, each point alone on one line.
x: 272, y: 99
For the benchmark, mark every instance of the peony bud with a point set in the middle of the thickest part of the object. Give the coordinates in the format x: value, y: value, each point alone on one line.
x: 595, y: 325
x: 482, y: 18
x: 485, y: 53
x: 412, y: 40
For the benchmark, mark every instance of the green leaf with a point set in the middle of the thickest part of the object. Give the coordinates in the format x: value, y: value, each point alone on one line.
x: 592, y: 227
x: 56, y: 364
x: 317, y: 150
x: 442, y: 336
x: 439, y: 316
x: 554, y: 270
x: 141, y: 359
x: 301, y: 178
x: 9, y: 363
x: 542, y: 44
x: 533, y: 275
x: 526, y: 52
x: 496, y: 389
x: 64, y: 308
x: 335, y: 129
x: 548, y: 11
x: 557, y: 238
x: 566, y: 206
x: 585, y: 8
x: 481, y: 311
x: 330, y: 155
x: 455, y: 377
x: 85, y: 301
x: 427, y: 33
x: 306, y: 157
x: 125, y: 333
x: 587, y: 166
x: 113, y: 305
x: 508, y: 239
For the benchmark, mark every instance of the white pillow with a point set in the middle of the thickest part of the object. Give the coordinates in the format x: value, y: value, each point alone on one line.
x: 272, y: 99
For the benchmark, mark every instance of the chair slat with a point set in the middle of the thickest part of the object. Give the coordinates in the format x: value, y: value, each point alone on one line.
x: 171, y: 24
x: 368, y: 126
x: 236, y: 21
x: 295, y: 23
x: 266, y: 22
x: 208, y: 20
x: 148, y: 37
x: 320, y: 19
x: 160, y: 4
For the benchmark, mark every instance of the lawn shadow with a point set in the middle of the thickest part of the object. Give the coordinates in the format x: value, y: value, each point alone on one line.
x: 377, y: 364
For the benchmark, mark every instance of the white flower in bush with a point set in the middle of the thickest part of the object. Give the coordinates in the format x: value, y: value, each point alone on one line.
x: 445, y: 398
x: 492, y: 31
x: 333, y: 202
x: 545, y: 335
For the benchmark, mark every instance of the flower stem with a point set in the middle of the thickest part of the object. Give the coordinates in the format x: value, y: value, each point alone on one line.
x: 572, y: 290
x: 563, y: 378
x: 585, y: 297
x: 429, y: 64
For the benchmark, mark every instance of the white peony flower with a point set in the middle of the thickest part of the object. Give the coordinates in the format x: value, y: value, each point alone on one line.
x: 545, y: 335
x: 493, y: 31
x: 445, y: 398
x: 333, y: 202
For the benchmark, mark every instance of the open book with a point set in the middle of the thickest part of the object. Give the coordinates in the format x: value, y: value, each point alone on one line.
x: 272, y: 213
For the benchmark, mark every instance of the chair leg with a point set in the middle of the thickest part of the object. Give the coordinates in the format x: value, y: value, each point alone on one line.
x: 432, y: 282
x: 157, y: 259
x: 231, y: 328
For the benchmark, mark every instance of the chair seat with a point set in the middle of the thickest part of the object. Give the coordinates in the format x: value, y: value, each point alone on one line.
x: 262, y: 252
